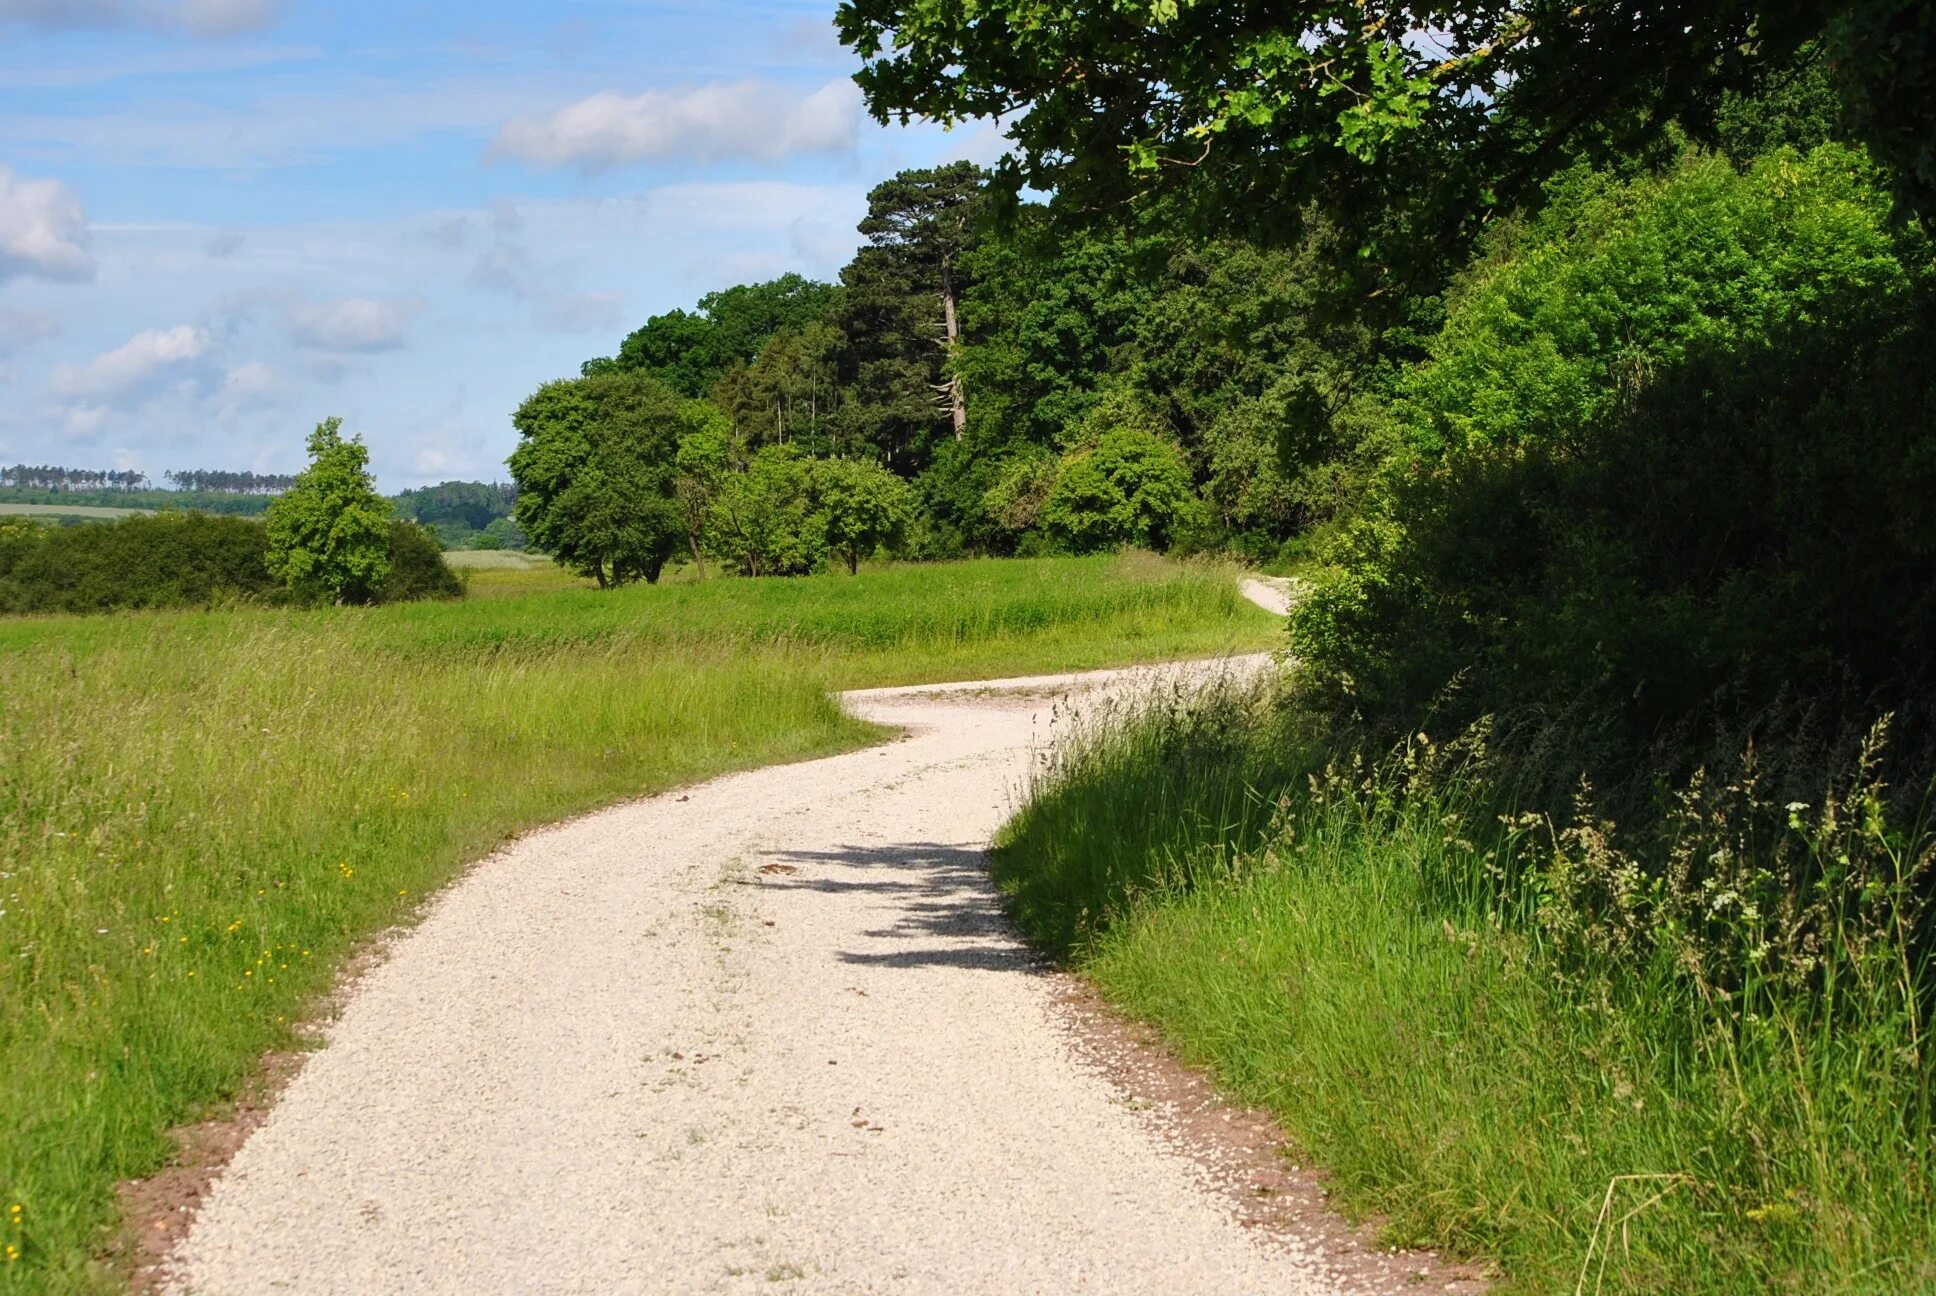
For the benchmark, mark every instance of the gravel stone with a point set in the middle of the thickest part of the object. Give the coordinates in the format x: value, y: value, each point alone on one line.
x: 766, y: 1034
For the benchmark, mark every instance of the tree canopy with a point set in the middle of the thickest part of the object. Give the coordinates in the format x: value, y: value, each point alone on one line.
x: 595, y: 470
x: 1246, y: 113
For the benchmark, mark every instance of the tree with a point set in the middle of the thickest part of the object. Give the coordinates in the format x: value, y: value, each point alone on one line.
x: 1248, y: 111
x: 690, y: 351
x: 595, y: 470
x: 925, y: 220
x: 329, y: 533
x: 900, y: 313
x: 863, y: 507
x: 704, y: 457
x: 1129, y: 486
x: 764, y: 519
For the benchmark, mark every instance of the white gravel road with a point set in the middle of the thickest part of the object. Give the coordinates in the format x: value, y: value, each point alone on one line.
x: 769, y: 1034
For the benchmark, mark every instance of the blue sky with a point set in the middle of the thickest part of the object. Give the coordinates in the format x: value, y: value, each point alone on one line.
x: 222, y: 220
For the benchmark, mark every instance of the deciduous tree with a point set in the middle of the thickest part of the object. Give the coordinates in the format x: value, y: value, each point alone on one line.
x: 329, y: 533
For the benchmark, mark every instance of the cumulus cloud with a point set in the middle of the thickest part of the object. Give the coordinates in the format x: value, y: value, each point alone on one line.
x: 43, y: 231
x: 358, y: 324
x: 200, y: 17
x: 135, y: 367
x: 753, y: 120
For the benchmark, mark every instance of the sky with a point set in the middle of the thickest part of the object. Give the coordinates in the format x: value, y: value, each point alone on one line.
x: 224, y: 220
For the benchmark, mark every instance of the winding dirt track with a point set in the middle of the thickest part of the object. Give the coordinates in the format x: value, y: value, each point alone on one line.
x: 770, y: 1034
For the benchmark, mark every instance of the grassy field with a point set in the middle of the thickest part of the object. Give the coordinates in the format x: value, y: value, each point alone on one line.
x: 67, y: 510
x: 1630, y: 1104
x: 201, y: 814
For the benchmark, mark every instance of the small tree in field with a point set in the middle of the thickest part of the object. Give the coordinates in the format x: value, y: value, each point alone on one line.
x: 864, y: 506
x: 329, y: 533
x: 764, y: 521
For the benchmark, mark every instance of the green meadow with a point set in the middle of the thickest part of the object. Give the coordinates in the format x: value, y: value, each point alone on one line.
x: 203, y: 814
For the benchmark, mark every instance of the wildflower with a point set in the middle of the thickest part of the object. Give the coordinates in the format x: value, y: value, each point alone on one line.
x: 13, y: 1253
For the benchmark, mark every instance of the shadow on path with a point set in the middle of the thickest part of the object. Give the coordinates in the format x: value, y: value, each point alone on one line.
x: 943, y: 894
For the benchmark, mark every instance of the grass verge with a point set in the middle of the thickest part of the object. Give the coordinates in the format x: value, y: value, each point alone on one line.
x: 202, y: 813
x: 1503, y: 1035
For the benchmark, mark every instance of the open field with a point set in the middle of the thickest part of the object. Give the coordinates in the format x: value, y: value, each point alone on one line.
x: 1402, y: 979
x: 68, y: 510
x: 495, y: 560
x: 203, y: 813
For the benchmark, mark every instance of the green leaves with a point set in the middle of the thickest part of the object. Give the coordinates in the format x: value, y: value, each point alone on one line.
x: 595, y: 470
x: 329, y: 534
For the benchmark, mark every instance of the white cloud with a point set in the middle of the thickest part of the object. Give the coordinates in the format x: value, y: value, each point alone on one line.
x: 134, y: 367
x: 226, y: 243
x: 201, y: 17
x: 753, y: 120
x: 43, y: 230
x: 20, y: 329
x: 360, y: 324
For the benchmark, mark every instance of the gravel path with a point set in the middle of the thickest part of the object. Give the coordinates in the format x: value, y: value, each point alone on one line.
x: 769, y: 1034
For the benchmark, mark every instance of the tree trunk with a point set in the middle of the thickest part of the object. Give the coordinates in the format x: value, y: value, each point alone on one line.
x: 692, y: 538
x: 957, y: 406
x: 853, y: 562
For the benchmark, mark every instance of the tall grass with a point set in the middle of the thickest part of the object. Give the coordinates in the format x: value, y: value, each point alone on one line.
x: 201, y: 814
x: 1704, y: 1070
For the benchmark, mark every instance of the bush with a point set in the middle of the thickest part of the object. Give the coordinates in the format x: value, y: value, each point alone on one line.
x: 1676, y: 436
x: 417, y: 566
x: 167, y: 560
x: 1128, y: 485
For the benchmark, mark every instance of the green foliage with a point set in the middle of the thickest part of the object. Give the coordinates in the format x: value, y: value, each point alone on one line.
x: 595, y: 468
x: 417, y: 566
x: 1663, y: 409
x: 1244, y: 114
x: 1129, y: 486
x: 863, y: 507
x: 691, y: 351
x: 329, y: 533
x: 898, y: 312
x: 463, y: 514
x: 168, y: 560
x: 765, y: 520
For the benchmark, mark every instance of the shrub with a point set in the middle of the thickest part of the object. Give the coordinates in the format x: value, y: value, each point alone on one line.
x: 1128, y: 485
x: 1675, y: 436
x: 417, y: 566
